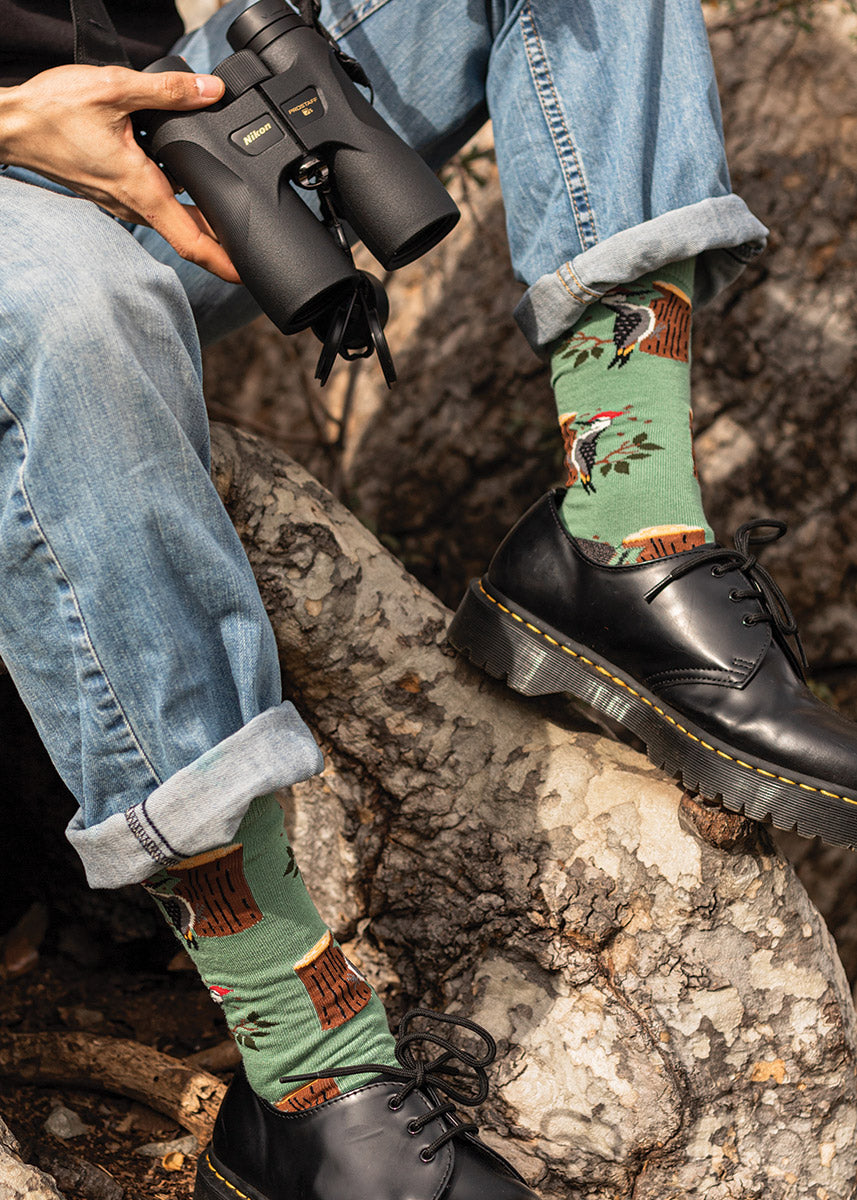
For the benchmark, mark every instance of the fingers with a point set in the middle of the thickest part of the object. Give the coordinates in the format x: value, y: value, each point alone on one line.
x: 187, y: 231
x: 182, y: 225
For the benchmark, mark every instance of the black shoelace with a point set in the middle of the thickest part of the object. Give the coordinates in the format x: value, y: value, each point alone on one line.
x: 436, y: 1073
x: 774, y: 606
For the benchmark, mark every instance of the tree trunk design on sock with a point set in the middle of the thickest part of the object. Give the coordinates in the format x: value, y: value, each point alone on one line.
x: 308, y: 1096
x: 215, y: 888
x: 337, y: 989
x: 660, y: 541
x: 671, y: 335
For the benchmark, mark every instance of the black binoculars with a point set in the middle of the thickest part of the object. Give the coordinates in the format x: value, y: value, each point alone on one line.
x: 292, y: 118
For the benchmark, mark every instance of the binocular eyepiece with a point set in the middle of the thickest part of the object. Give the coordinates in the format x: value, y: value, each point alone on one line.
x: 292, y: 119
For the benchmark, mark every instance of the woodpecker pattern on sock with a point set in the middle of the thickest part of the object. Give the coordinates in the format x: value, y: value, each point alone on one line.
x: 292, y: 1000
x: 622, y: 384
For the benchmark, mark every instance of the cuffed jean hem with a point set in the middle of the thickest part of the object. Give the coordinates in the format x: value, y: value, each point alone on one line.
x: 201, y: 806
x: 721, y: 232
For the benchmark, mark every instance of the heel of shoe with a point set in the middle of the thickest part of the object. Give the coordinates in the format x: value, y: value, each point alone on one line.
x: 504, y: 645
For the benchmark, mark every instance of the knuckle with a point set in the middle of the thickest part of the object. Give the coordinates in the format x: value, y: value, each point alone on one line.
x: 176, y: 87
x: 113, y: 82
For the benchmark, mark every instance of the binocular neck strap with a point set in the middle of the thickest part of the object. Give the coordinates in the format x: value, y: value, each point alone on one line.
x: 310, y: 13
x: 96, y: 42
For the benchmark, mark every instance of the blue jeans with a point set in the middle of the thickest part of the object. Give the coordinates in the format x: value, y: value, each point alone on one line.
x: 130, y: 620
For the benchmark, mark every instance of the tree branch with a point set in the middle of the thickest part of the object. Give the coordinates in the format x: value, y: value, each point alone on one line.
x: 125, y: 1068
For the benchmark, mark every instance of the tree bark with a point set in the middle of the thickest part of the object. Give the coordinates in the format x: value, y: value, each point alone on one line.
x: 18, y: 1180
x: 673, y: 1016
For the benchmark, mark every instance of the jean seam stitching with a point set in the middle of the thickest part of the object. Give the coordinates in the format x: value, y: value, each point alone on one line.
x: 576, y: 289
x: 144, y: 809
x: 87, y: 638
x: 578, y: 195
x: 353, y: 18
x: 580, y: 284
x: 570, y: 289
x: 133, y: 820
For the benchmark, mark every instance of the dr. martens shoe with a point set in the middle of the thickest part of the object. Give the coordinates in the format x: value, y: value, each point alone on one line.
x: 396, y: 1138
x: 696, y: 653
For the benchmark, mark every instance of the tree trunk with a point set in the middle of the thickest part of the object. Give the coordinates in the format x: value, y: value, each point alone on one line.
x: 18, y: 1180
x: 673, y: 1016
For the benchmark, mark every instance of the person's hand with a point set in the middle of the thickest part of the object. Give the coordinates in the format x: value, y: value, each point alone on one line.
x: 72, y: 125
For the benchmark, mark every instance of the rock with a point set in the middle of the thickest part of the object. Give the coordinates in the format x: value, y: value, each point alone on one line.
x: 182, y: 1145
x: 64, y: 1123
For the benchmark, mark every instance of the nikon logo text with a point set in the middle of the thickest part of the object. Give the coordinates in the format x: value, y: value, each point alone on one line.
x: 255, y: 133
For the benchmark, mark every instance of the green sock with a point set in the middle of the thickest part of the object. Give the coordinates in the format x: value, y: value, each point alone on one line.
x: 291, y: 999
x: 622, y: 386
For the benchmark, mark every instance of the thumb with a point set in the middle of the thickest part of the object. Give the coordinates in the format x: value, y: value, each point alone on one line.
x: 173, y: 90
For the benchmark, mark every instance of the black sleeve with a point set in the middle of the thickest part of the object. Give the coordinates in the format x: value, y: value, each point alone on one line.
x: 37, y: 34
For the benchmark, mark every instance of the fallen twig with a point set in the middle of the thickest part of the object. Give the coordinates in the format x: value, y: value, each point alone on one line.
x: 125, y: 1068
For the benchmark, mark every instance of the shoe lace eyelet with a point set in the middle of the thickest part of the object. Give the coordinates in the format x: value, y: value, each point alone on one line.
x: 717, y: 570
x: 412, y: 1127
x: 734, y: 596
x: 747, y: 619
x: 394, y: 1103
x: 426, y: 1155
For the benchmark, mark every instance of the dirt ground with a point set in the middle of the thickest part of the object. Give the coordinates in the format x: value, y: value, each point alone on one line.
x: 131, y: 995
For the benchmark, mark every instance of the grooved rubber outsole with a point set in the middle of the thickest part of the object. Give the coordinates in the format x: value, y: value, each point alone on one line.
x: 537, y: 661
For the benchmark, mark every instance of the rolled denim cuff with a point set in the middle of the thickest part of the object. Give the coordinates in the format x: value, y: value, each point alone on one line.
x: 201, y: 806
x: 721, y: 232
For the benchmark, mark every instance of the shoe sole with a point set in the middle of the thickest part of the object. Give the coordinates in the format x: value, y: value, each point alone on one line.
x: 215, y: 1182
x: 536, y: 660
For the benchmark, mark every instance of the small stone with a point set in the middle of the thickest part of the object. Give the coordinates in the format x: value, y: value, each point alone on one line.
x: 225, y: 1056
x: 64, y: 1123
x: 81, y: 1017
x: 21, y: 944
x: 183, y: 1145
x: 722, y: 829
x: 181, y: 961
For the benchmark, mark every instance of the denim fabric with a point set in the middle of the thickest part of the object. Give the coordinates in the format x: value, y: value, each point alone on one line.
x: 606, y: 123
x: 607, y: 130
x: 130, y: 619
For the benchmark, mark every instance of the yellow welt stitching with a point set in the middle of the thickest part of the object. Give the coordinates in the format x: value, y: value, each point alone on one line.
x: 621, y: 683
x: 226, y: 1181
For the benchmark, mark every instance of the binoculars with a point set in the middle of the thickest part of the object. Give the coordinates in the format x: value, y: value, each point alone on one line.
x: 291, y: 118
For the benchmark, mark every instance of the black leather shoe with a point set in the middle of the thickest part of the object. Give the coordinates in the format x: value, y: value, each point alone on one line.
x: 392, y: 1139
x: 696, y: 653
